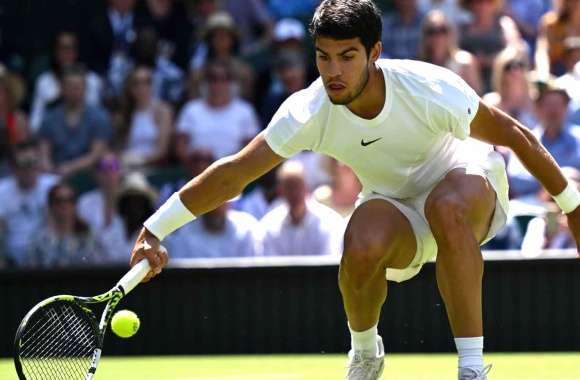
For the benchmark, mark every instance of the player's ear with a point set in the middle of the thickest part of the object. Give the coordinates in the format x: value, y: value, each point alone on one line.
x: 376, y: 52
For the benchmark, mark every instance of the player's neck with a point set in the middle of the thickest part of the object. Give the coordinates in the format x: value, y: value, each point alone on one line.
x: 371, y: 101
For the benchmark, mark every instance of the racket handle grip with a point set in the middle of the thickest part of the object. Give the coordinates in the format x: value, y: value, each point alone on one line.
x: 132, y: 278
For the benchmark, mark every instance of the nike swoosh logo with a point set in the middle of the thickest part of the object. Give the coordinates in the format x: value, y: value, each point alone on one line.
x: 365, y: 143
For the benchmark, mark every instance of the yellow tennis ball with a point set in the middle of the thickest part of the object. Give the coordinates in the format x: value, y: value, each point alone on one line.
x: 125, y: 323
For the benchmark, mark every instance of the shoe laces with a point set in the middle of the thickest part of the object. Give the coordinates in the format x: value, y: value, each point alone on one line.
x: 360, y: 365
x: 471, y: 374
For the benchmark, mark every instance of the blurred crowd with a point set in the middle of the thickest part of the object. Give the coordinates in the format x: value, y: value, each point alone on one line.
x: 145, y: 94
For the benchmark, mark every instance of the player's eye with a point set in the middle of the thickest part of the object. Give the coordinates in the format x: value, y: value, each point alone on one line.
x: 323, y: 57
x: 347, y: 57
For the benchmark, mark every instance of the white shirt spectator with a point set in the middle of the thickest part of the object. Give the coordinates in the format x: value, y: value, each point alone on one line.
x: 47, y: 90
x: 221, y: 130
x: 91, y: 208
x: 320, y: 232
x: 23, y: 213
x: 237, y: 240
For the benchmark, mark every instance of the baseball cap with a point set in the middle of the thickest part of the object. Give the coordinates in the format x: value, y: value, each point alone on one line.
x: 289, y: 28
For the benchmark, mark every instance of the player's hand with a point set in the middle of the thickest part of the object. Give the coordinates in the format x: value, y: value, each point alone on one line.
x: 148, y: 246
x: 574, y: 225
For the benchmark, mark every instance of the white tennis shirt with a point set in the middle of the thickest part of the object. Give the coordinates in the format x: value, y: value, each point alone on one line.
x: 414, y: 141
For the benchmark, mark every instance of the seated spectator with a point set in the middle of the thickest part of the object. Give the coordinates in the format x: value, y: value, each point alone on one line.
x: 145, y: 51
x: 99, y: 209
x: 47, y: 89
x: 488, y: 33
x: 571, y: 80
x: 169, y: 19
x: 555, y: 27
x: 450, y: 8
x: 136, y: 202
x: 439, y: 46
x: 74, y: 134
x: 511, y: 90
x: 24, y: 200
x: 220, y: 122
x: 64, y: 240
x: 219, y: 233
x: 402, y: 30
x: 262, y: 198
x: 290, y: 76
x: 13, y: 123
x: 253, y: 21
x: 527, y: 14
x: 221, y: 41
x: 147, y: 123
x: 560, y: 139
x: 342, y: 193
x: 299, y: 226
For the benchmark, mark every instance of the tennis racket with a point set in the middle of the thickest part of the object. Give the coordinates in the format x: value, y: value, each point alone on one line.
x: 59, y: 338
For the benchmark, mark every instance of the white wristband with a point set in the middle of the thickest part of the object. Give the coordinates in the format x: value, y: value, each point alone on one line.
x: 568, y: 199
x: 170, y: 216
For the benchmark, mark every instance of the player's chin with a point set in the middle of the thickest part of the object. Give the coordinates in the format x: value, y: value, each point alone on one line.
x: 339, y: 100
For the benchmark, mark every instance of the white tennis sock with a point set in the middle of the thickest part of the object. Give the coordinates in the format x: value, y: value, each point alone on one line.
x: 364, y: 341
x: 470, y: 352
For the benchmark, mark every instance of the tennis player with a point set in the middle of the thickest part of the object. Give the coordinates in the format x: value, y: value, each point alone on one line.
x: 429, y: 189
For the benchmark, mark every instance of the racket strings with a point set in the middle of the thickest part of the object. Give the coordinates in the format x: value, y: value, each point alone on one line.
x: 58, y: 344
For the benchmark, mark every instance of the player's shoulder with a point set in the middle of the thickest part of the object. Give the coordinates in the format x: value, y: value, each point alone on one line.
x: 306, y: 105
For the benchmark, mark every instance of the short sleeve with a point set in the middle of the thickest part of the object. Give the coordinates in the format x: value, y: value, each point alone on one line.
x: 454, y: 107
x: 289, y: 131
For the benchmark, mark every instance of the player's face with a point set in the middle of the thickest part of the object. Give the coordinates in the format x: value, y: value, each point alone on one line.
x: 344, y: 68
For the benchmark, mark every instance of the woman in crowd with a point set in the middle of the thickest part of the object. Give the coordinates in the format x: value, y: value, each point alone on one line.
x: 488, y: 33
x: 146, y: 123
x: 554, y: 28
x: 13, y: 123
x: 65, y: 240
x: 510, y: 84
x: 221, y: 41
x: 47, y: 88
x: 439, y: 46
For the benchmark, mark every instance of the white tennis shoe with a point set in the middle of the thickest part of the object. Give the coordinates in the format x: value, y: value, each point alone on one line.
x: 467, y: 373
x: 361, y: 367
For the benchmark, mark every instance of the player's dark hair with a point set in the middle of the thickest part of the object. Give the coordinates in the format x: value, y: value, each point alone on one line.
x: 346, y: 19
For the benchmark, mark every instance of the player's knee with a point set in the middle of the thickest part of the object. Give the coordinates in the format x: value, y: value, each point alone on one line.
x: 446, y: 214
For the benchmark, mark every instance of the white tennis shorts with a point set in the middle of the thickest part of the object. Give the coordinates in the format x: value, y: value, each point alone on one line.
x: 493, y: 169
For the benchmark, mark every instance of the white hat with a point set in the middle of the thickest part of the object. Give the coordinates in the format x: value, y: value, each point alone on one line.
x: 287, y: 29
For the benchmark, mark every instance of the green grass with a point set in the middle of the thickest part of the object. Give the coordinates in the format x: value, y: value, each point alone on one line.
x: 321, y: 367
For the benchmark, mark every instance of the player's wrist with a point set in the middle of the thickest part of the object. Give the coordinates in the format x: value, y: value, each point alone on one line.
x: 569, y: 199
x: 170, y: 216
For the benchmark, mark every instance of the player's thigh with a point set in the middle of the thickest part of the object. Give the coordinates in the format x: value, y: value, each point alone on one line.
x: 461, y: 197
x: 379, y: 231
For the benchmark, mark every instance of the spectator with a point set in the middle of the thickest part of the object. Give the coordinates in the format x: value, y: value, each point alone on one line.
x: 64, y: 240
x: 253, y: 21
x: 110, y: 35
x: 221, y: 41
x: 74, y: 134
x: 560, y: 139
x: 47, y: 89
x: 13, y: 123
x: 342, y: 193
x: 136, y: 202
x: 511, y: 91
x: 571, y: 80
x: 260, y: 199
x: 450, y: 8
x: 99, y: 209
x: 402, y: 30
x: 220, y: 122
x: 146, y: 123
x: 218, y: 233
x: 439, y: 46
x: 527, y: 14
x: 299, y: 226
x: 555, y: 27
x: 24, y: 200
x: 169, y: 19
x: 488, y: 33
x: 290, y: 76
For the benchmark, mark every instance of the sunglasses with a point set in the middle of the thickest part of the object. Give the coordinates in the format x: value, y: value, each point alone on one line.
x: 437, y: 30
x: 63, y: 199
x: 515, y: 65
